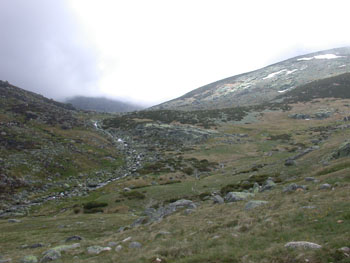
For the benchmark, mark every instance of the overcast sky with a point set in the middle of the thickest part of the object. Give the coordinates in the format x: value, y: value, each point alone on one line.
x: 155, y: 50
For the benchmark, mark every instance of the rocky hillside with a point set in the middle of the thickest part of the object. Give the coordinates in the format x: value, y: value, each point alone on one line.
x: 101, y: 104
x: 267, y: 182
x: 264, y: 84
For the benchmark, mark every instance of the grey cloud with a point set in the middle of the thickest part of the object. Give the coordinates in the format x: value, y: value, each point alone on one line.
x: 42, y: 49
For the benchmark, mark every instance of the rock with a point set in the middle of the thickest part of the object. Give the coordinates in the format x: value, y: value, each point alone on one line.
x: 183, y: 203
x: 188, y: 211
x: 254, y: 203
x: 14, y: 221
x: 66, y: 247
x: 310, y: 179
x: 127, y: 189
x: 302, y: 244
x: 29, y: 259
x: 112, y: 244
x: 237, y: 196
x: 345, y: 249
x: 256, y: 188
x: 74, y: 238
x: 309, y: 207
x: 95, y: 250
x: 51, y: 255
x: 127, y: 239
x: 217, y: 199
x: 121, y: 229
x: 293, y: 187
x: 140, y: 221
x: 343, y: 151
x: 325, y: 187
x: 118, y: 248
x: 299, y: 116
x: 289, y: 162
x: 268, y: 185
x: 5, y: 260
x: 135, y: 245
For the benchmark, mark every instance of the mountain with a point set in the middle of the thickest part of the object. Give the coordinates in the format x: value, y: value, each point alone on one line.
x: 264, y: 181
x: 265, y: 84
x: 101, y: 104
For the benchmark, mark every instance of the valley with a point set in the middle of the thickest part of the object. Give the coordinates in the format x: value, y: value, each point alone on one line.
x: 181, y: 183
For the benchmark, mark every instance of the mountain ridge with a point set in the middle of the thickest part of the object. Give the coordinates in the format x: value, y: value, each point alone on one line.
x: 102, y: 104
x: 269, y: 81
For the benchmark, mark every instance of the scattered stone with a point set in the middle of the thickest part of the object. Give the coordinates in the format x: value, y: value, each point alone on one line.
x: 294, y: 187
x: 127, y: 239
x: 237, y: 196
x: 135, y: 245
x: 121, y: 229
x: 310, y: 179
x: 345, y: 249
x: 74, y: 238
x: 51, y: 255
x: 268, y: 185
x: 256, y: 188
x: 95, y: 250
x: 66, y: 247
x: 118, y: 248
x: 325, y: 187
x: 29, y: 259
x: 309, y: 207
x: 5, y: 260
x: 112, y: 244
x: 343, y: 151
x: 302, y: 244
x: 183, y: 203
x: 127, y: 189
x: 255, y: 203
x: 188, y: 211
x: 289, y: 162
x: 14, y: 221
x: 37, y: 245
x: 299, y: 116
x: 217, y: 199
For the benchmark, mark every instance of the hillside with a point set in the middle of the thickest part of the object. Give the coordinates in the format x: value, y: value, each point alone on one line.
x: 264, y: 84
x: 267, y: 182
x: 101, y: 104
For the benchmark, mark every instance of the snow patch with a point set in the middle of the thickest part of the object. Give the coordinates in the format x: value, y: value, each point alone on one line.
x: 283, y: 91
x: 291, y: 71
x: 342, y: 66
x: 325, y: 56
x: 274, y: 74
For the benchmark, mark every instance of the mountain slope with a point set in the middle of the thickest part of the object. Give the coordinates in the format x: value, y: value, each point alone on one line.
x: 264, y: 84
x: 101, y: 104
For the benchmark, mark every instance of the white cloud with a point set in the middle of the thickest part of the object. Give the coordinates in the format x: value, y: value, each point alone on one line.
x: 155, y: 50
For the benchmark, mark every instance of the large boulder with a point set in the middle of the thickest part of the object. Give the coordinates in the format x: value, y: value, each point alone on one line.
x: 302, y: 244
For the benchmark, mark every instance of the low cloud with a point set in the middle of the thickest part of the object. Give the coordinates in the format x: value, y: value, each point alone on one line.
x: 42, y: 49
